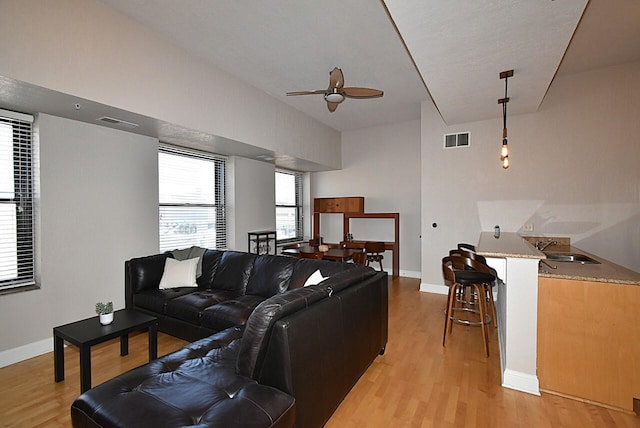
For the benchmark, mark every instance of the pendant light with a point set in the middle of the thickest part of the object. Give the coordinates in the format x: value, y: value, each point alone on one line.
x: 504, y: 151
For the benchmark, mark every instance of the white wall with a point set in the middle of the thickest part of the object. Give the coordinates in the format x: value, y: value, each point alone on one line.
x: 383, y: 165
x: 87, y: 49
x: 251, y: 199
x: 98, y: 208
x: 575, y: 171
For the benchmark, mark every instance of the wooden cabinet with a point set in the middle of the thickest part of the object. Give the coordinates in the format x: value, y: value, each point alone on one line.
x: 588, y: 344
x: 354, y: 204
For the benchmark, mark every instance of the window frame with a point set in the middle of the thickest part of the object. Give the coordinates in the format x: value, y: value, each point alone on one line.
x: 23, y: 158
x: 298, y: 205
x: 220, y: 169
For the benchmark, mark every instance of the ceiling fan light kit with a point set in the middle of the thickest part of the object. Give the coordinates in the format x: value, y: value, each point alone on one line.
x: 504, y: 150
x: 334, y: 97
x: 336, y: 93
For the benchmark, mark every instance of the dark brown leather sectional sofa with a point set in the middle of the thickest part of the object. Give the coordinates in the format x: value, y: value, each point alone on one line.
x: 289, y: 357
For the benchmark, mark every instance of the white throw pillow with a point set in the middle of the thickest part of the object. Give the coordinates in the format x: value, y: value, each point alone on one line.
x: 315, y: 278
x: 179, y: 273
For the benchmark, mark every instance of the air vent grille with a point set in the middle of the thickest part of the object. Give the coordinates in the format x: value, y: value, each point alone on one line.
x: 113, y: 121
x: 461, y: 139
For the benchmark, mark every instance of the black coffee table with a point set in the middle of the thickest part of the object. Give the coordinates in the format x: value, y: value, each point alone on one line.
x: 86, y: 333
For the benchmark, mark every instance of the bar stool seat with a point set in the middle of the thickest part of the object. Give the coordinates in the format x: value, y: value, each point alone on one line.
x: 467, y: 278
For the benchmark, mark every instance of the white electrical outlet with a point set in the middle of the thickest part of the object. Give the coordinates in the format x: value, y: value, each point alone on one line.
x: 528, y: 227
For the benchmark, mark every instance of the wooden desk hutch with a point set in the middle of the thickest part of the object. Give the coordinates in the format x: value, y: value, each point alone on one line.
x: 353, y: 207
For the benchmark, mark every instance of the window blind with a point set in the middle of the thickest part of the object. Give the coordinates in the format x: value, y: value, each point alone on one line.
x: 16, y: 201
x: 191, y: 199
x: 288, y: 205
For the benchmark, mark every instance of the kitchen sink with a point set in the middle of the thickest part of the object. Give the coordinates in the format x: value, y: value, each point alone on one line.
x: 571, y: 258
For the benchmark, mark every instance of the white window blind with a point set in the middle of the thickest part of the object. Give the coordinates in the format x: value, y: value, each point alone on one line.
x: 288, y: 205
x: 16, y: 201
x: 191, y: 199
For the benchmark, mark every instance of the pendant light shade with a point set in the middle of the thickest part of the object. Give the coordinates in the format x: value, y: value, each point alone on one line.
x: 504, y: 150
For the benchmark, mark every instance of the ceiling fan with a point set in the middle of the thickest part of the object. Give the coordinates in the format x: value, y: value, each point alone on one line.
x: 336, y: 93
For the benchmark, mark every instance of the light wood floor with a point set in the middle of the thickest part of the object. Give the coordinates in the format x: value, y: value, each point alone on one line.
x: 416, y: 383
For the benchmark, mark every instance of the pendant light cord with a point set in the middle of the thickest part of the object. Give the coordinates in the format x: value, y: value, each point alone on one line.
x: 504, y: 105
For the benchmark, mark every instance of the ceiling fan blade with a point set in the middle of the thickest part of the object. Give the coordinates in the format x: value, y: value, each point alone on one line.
x: 362, y: 93
x: 332, y: 106
x: 315, y: 91
x: 336, y: 79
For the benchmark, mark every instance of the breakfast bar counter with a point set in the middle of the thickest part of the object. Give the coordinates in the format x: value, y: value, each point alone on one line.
x: 516, y: 262
x: 561, y: 313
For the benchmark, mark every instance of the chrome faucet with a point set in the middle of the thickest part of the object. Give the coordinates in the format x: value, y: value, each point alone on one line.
x: 546, y: 245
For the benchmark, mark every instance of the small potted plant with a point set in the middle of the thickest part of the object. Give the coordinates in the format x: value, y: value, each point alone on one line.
x: 105, y: 310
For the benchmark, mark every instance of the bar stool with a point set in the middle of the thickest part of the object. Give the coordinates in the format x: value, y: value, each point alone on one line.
x: 455, y: 275
x: 477, y: 262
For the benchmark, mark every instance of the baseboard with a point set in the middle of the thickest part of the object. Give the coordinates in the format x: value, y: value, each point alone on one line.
x: 411, y: 274
x: 434, y: 288
x: 521, y: 382
x: 21, y: 353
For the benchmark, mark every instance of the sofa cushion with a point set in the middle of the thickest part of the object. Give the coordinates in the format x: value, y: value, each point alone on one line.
x: 155, y: 300
x: 145, y: 272
x: 230, y: 313
x: 188, y: 307
x: 210, y: 261
x: 233, y: 271
x: 270, y: 275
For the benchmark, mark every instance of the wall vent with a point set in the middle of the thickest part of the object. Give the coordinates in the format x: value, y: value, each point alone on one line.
x: 461, y: 139
x: 112, y: 121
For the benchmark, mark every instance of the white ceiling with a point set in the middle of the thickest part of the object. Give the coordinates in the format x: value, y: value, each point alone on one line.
x: 459, y: 48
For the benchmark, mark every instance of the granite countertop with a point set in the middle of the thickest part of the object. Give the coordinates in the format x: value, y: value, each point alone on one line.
x: 511, y: 244
x: 606, y: 271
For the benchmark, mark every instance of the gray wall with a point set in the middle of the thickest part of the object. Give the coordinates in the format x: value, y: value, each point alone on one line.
x: 99, y: 206
x: 87, y: 49
x: 383, y: 165
x: 574, y: 171
x: 251, y: 197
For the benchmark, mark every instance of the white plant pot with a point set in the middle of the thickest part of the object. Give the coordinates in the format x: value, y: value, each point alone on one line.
x: 106, y: 319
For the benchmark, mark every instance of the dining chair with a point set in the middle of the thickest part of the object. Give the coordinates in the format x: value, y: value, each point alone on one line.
x: 374, y: 251
x: 359, y: 256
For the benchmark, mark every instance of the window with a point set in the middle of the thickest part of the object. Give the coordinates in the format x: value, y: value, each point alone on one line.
x: 191, y: 199
x: 288, y: 206
x: 16, y: 201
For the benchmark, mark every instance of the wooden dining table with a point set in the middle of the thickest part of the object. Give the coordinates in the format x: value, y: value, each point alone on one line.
x: 333, y: 254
